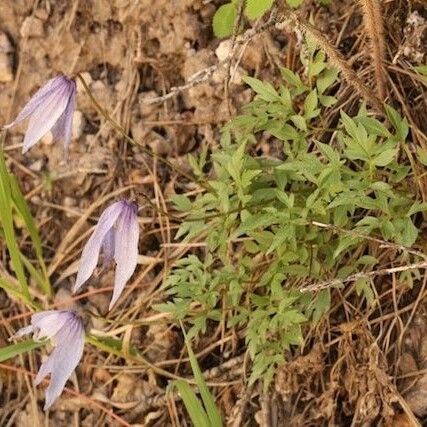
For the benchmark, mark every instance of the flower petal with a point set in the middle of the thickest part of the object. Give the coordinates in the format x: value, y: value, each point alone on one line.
x: 90, y: 254
x: 63, y: 359
x: 45, y: 116
x: 126, y: 249
x: 46, y: 324
x: 63, y: 127
x: 39, y: 97
x: 108, y: 246
x: 23, y: 331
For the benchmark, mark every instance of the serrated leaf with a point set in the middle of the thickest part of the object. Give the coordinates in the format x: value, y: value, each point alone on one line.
x: 417, y: 207
x: 182, y: 202
x: 223, y: 20
x: 367, y: 260
x: 363, y: 286
x: 292, y: 78
x: 310, y: 105
x: 422, y: 155
x: 321, y: 304
x: 399, y: 123
x: 326, y: 79
x: 384, y: 158
x: 264, y: 89
x: 327, y: 101
x: 299, y: 122
x: 409, y: 233
x: 256, y: 8
x: 373, y: 126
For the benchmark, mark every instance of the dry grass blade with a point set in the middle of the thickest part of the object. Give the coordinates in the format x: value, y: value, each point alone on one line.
x: 374, y: 28
x: 335, y: 57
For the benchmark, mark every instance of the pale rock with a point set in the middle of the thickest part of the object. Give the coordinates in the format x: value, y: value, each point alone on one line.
x: 35, y: 200
x: 37, y: 166
x: 32, y: 27
x: 88, y: 80
x: 98, y: 86
x: 5, y: 45
x: 69, y: 202
x: 6, y: 74
x: 78, y: 124
x: 223, y: 50
x: 159, y: 145
x: 47, y: 139
x: 121, y: 87
x: 42, y: 14
x: 235, y: 76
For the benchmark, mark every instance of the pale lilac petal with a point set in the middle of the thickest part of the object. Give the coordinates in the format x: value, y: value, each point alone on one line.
x: 62, y: 129
x: 23, y: 331
x: 126, y: 248
x: 39, y: 97
x: 45, y: 116
x: 46, y: 324
x: 69, y: 344
x: 108, y: 246
x: 90, y: 254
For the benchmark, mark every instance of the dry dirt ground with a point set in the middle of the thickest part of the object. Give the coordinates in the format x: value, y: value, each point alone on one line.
x: 359, y: 372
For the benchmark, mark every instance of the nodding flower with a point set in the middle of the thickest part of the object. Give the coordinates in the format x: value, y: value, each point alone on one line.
x: 117, y: 235
x: 50, y: 109
x: 66, y: 332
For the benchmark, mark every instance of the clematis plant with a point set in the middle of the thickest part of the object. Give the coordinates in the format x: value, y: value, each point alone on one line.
x: 50, y: 109
x: 116, y: 235
x: 66, y: 332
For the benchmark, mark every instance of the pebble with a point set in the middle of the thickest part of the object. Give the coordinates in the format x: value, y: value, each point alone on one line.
x: 78, y: 124
x: 5, y: 45
x: 32, y: 27
x: 6, y: 73
x: 98, y: 86
x: 223, y: 50
x: 37, y: 166
x: 69, y: 202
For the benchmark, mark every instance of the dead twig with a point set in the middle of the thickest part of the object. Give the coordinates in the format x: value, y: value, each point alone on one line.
x: 374, y: 27
x: 352, y: 278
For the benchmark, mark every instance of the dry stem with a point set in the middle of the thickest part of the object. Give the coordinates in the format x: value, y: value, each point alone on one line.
x: 375, y: 29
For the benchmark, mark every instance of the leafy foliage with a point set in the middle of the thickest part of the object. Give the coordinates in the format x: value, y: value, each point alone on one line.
x: 202, y: 413
x: 260, y: 222
x: 14, y: 214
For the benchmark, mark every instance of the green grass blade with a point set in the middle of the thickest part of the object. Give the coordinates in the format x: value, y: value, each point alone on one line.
x: 16, y: 349
x: 10, y: 289
x: 6, y: 219
x: 35, y: 274
x: 208, y: 400
x: 194, y: 407
x: 25, y: 213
